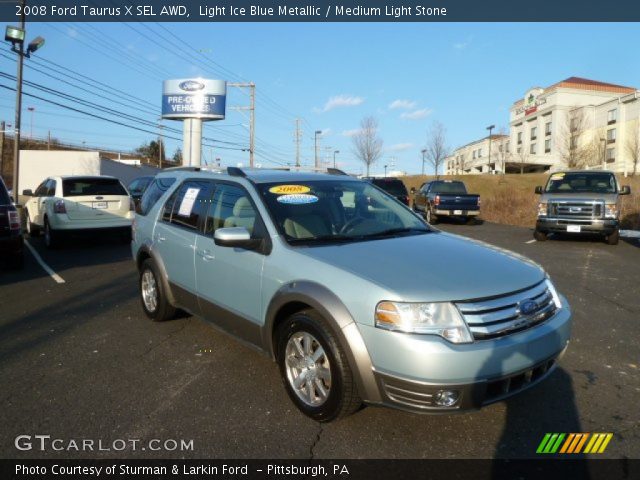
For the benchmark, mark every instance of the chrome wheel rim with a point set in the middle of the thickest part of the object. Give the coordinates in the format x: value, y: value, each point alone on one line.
x: 26, y: 214
x: 308, y: 369
x: 149, y: 289
x: 428, y: 216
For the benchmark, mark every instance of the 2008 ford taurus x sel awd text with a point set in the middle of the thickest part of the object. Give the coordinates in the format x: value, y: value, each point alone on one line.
x: 356, y: 297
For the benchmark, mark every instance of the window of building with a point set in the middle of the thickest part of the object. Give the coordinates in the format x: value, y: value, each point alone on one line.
x: 611, y: 155
x: 547, y: 145
x: 532, y: 149
x: 534, y: 133
x: 519, y: 149
x: 479, y: 152
x: 573, y: 124
x: 474, y: 154
x: 611, y: 135
x: 519, y: 138
x: 547, y: 128
x: 612, y: 116
x: 507, y: 149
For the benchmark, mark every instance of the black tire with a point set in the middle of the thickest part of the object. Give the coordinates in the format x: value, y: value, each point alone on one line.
x: 430, y: 217
x: 51, y: 237
x: 343, y: 398
x: 614, y: 238
x: 471, y: 221
x: 163, y: 309
x: 32, y: 230
x: 539, y: 236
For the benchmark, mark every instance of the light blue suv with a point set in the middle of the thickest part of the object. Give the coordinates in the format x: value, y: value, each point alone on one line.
x: 355, y: 297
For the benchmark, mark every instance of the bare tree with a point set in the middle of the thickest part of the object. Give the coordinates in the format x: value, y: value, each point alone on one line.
x: 501, y: 154
x: 436, y: 146
x: 367, y: 145
x: 522, y: 156
x: 633, y: 146
x: 576, y: 152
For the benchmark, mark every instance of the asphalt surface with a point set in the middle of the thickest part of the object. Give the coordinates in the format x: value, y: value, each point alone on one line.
x: 78, y: 360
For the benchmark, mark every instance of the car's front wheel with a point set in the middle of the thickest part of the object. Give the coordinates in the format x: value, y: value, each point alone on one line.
x: 539, y: 236
x: 315, y: 369
x: 613, y: 238
x: 153, y: 297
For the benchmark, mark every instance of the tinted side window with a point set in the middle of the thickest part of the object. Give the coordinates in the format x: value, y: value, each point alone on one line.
x: 153, y: 194
x: 51, y: 188
x: 41, y: 190
x: 191, y: 203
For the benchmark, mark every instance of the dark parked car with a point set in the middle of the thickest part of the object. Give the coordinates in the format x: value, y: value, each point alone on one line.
x: 393, y: 187
x: 137, y: 188
x: 446, y: 198
x: 11, y: 241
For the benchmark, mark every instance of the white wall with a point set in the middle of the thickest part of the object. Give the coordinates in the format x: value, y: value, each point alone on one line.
x: 36, y: 165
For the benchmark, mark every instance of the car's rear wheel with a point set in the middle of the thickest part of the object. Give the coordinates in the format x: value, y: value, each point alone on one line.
x: 613, y: 238
x: 430, y: 217
x: 315, y: 369
x: 539, y: 236
x: 51, y: 239
x: 153, y: 297
x: 470, y: 220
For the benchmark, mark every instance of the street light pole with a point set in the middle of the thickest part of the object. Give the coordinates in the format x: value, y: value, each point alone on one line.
x: 31, y: 109
x: 16, y: 135
x: 315, y: 140
x: 423, y: 151
x: 490, y: 127
x: 334, y: 157
x: 385, y: 171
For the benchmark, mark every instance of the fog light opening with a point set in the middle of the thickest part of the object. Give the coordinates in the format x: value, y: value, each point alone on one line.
x: 446, y: 398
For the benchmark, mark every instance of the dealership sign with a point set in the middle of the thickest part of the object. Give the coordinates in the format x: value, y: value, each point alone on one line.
x: 194, y: 98
x: 532, y: 101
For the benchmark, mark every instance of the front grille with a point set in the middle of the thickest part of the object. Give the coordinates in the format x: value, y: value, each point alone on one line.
x: 577, y: 210
x: 498, y: 389
x: 497, y: 317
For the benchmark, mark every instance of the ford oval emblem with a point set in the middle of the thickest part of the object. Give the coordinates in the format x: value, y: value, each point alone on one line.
x: 527, y: 307
x: 191, y: 86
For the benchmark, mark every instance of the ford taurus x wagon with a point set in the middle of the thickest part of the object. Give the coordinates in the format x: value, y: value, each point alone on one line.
x: 355, y: 297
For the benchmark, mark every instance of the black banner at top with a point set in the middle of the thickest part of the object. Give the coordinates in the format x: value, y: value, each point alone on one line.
x: 320, y: 11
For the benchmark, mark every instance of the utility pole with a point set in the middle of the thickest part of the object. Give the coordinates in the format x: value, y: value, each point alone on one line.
x: 315, y: 147
x: 252, y: 115
x: 490, y: 127
x: 49, y: 140
x: 298, y: 139
x: 160, y: 126
x: 16, y: 135
x: 2, y: 127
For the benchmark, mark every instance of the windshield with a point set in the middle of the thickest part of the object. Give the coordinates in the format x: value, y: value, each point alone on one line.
x: 581, y: 182
x: 337, y: 211
x: 448, y: 187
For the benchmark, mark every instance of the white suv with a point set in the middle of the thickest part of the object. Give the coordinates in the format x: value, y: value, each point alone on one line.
x: 70, y: 203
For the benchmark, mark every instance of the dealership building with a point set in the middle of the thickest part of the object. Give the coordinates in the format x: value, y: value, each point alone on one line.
x: 575, y: 123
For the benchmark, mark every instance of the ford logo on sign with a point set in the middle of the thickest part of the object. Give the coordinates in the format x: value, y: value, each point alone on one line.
x: 527, y: 307
x: 191, y: 86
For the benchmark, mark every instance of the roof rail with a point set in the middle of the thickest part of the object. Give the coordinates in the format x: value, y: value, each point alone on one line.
x: 236, y: 172
x: 336, y: 171
x: 184, y: 169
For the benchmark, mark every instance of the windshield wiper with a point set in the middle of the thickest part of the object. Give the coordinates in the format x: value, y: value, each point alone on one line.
x: 395, y: 231
x: 326, y: 239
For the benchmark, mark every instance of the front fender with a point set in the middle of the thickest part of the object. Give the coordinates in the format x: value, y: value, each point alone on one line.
x: 327, y: 303
x: 147, y: 249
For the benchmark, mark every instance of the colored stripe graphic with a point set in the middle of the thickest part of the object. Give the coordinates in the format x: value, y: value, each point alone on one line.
x: 574, y: 442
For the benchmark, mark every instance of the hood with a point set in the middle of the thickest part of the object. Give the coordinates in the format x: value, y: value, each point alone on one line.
x: 580, y: 196
x: 432, y: 267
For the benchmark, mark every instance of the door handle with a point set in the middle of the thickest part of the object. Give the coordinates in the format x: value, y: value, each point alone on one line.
x: 205, y: 254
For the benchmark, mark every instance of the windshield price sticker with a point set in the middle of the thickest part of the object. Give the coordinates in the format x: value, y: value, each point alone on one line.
x: 187, y: 202
x: 298, y: 199
x: 289, y: 189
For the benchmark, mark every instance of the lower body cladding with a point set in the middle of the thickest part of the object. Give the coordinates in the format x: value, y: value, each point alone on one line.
x: 427, y: 374
x: 575, y: 225
x: 456, y: 213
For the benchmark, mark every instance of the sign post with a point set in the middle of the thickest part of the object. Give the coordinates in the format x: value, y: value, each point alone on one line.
x: 193, y: 100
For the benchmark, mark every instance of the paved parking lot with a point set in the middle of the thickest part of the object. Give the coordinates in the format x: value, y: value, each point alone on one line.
x: 78, y: 360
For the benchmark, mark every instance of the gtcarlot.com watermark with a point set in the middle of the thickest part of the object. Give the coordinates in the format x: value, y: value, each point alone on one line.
x: 45, y: 443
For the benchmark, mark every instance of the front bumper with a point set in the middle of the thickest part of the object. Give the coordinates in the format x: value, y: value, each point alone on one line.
x: 451, y: 213
x: 604, y: 226
x: 410, y: 369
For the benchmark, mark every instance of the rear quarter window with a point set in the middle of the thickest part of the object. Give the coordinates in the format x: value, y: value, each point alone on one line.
x: 153, y: 193
x: 78, y: 187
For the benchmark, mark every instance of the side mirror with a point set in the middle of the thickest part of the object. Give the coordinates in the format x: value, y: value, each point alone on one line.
x: 27, y: 193
x: 626, y: 190
x: 235, y: 237
x: 538, y: 190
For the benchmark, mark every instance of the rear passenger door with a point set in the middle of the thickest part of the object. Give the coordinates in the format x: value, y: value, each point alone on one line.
x: 229, y: 279
x: 175, y: 235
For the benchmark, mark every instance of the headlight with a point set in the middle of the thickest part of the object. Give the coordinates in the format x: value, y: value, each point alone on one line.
x: 542, y: 209
x: 426, y: 318
x: 611, y: 210
x: 554, y: 293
